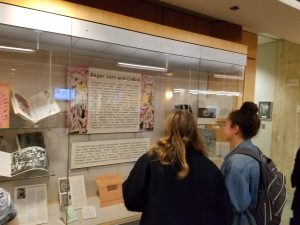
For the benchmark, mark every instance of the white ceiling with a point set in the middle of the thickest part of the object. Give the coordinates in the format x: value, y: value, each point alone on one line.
x: 258, y: 16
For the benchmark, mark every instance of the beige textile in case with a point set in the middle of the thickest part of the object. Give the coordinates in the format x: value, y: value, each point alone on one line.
x: 110, y: 189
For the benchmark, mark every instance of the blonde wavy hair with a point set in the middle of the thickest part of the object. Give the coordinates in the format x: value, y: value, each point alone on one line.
x: 180, y: 131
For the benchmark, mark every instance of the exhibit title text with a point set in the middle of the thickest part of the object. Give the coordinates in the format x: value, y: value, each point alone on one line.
x: 114, y: 77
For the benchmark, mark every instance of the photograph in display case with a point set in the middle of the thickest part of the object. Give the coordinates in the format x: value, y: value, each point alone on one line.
x: 72, y: 191
x: 183, y: 107
x: 265, y: 110
x: 206, y: 115
x: 65, y: 199
x: 63, y: 185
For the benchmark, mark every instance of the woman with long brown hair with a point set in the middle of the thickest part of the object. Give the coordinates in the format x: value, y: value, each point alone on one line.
x: 174, y: 183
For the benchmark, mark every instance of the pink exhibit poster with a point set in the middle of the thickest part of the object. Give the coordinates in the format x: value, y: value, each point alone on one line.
x: 77, y: 121
x: 147, y: 103
x: 4, y: 105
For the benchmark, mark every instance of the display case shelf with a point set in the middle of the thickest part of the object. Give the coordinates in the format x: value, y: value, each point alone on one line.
x: 55, y: 121
x: 29, y: 175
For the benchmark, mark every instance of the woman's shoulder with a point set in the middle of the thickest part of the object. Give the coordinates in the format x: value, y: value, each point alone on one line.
x: 241, y: 162
x: 200, y: 160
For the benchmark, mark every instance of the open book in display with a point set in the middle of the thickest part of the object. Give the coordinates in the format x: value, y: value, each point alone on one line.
x: 23, y: 160
x: 34, y: 108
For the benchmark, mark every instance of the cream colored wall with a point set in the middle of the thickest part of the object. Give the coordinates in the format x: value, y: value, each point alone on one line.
x: 278, y: 71
x: 265, y: 90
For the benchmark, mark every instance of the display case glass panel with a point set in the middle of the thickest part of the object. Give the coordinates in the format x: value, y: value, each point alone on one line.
x: 99, y: 105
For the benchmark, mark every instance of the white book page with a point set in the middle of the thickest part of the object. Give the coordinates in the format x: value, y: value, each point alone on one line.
x: 77, y: 190
x: 42, y: 106
x: 88, y: 212
x: 5, y: 164
x: 21, y: 106
x: 31, y: 204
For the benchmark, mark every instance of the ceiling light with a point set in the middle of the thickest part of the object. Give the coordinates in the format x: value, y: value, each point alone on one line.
x: 229, y: 77
x: 169, y: 74
x: 169, y: 94
x: 235, y: 8
x: 292, y: 3
x: 210, y: 92
x: 13, y: 69
x: 9, y: 48
x: 142, y: 67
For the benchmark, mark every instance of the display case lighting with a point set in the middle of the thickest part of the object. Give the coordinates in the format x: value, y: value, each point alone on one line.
x: 292, y: 3
x: 177, y: 90
x: 219, y: 93
x: 142, y: 67
x: 229, y: 77
x: 10, y: 48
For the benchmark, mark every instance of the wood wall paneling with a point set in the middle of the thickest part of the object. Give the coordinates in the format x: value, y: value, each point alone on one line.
x: 113, y: 19
x: 185, y: 21
x: 249, y: 81
x: 134, y: 8
x: 225, y: 30
x: 169, y: 16
x: 251, y: 40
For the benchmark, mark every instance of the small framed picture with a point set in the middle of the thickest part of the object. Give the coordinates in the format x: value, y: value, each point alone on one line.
x: 265, y: 110
x: 63, y: 185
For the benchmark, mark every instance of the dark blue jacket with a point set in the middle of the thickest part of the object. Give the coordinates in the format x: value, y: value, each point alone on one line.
x: 199, y: 199
x: 296, y: 184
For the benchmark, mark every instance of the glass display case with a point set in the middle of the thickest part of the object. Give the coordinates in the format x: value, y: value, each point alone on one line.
x: 94, y: 107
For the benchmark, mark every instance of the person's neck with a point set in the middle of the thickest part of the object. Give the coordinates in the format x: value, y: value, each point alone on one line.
x: 236, y: 141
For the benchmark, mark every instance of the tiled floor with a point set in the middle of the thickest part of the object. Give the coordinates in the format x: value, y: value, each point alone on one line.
x: 287, y: 212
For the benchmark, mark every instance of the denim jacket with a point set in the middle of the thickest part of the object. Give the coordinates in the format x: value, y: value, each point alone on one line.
x: 242, y: 174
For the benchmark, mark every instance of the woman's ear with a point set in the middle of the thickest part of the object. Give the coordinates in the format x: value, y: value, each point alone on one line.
x: 236, y: 129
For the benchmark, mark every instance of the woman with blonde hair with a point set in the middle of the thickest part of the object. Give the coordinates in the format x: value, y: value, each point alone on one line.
x: 174, y: 183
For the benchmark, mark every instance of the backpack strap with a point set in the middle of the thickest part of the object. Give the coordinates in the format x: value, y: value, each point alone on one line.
x: 249, y: 152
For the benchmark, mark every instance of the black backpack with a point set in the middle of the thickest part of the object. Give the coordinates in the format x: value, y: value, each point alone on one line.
x: 272, y: 191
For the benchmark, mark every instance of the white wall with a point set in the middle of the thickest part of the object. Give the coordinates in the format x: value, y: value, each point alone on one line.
x: 264, y: 90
